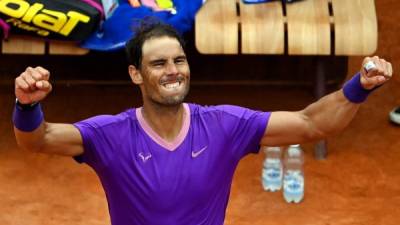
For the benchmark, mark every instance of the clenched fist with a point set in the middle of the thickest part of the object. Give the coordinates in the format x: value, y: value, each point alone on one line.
x: 375, y: 71
x: 32, y: 85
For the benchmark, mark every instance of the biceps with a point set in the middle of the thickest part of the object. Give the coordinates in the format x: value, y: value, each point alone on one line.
x: 62, y: 139
x: 287, y: 128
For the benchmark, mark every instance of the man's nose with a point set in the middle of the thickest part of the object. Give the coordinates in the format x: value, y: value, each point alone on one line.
x: 171, y: 68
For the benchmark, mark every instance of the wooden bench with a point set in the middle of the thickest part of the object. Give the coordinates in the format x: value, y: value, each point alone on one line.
x: 304, y: 28
x: 308, y: 25
x: 36, y: 46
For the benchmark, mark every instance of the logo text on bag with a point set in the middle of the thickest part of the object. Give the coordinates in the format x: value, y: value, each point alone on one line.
x: 56, y: 21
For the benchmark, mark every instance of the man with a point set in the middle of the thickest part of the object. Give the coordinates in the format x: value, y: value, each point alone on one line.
x: 170, y: 162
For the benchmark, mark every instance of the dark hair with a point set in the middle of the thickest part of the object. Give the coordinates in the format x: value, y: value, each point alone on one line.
x: 145, y: 29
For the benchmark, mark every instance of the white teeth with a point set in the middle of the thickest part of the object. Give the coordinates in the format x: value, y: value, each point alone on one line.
x: 173, y: 85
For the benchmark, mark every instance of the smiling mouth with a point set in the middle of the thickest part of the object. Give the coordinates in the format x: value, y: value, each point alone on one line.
x: 172, y: 85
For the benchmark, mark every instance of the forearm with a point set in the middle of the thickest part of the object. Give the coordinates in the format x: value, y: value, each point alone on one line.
x: 29, y: 125
x: 330, y: 115
x: 33, y: 140
x: 52, y: 138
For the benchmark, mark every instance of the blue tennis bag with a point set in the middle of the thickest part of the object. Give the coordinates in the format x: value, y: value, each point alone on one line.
x: 117, y: 29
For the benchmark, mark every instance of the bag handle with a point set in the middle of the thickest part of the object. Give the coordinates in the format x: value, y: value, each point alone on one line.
x: 96, y: 5
x: 5, y: 27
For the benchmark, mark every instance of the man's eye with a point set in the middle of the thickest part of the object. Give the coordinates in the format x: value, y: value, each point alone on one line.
x: 180, y: 61
x: 158, y: 64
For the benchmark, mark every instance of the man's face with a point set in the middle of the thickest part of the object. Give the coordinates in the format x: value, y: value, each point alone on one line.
x: 165, y: 71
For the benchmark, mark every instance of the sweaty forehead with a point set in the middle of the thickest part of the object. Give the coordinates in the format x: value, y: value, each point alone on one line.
x: 161, y: 47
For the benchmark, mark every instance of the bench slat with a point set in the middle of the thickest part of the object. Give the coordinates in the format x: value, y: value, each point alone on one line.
x: 309, y: 28
x: 356, y: 29
x: 216, y: 29
x: 23, y: 45
x: 262, y: 28
x: 17, y: 44
x: 66, y: 48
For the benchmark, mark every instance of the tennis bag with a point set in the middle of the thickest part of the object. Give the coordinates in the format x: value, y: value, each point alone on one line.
x: 51, y: 19
x: 117, y: 29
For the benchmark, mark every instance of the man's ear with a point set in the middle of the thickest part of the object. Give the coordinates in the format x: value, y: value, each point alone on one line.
x: 135, y: 75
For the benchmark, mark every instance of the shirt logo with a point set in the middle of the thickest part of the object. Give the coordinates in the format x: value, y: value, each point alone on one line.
x: 197, y: 153
x: 143, y: 157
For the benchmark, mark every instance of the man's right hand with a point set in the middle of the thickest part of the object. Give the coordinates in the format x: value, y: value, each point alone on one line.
x: 32, y: 85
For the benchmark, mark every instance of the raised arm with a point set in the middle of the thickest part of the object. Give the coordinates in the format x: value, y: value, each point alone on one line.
x: 332, y: 113
x: 31, y: 131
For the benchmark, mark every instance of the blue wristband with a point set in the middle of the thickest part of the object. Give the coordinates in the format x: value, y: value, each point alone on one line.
x: 354, y: 91
x: 27, y: 119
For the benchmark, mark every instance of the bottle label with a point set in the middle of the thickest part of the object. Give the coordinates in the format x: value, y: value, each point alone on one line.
x: 272, y: 174
x: 293, y: 186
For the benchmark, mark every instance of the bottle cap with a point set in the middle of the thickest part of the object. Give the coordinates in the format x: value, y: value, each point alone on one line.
x: 294, y: 151
x: 271, y: 149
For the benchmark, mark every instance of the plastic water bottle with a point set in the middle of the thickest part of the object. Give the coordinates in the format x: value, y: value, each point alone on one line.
x: 293, y: 177
x: 272, y: 169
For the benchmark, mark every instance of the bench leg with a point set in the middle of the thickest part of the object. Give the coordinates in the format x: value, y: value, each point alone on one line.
x: 320, y: 150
